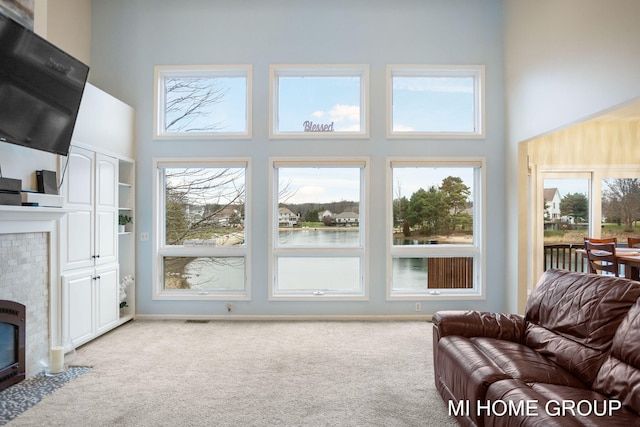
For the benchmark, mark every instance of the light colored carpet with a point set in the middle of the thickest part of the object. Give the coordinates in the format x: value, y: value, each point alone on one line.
x: 174, y: 373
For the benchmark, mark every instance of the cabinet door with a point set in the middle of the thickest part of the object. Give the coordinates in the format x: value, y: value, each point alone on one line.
x: 77, y: 227
x: 107, y: 301
x: 78, y: 306
x: 106, y: 210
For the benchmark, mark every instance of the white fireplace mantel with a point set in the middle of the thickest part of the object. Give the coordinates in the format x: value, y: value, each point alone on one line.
x: 36, y: 219
x: 29, y: 219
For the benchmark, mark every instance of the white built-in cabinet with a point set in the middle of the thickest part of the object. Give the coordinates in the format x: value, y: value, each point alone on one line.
x: 90, y: 257
x: 90, y: 188
x: 89, y: 302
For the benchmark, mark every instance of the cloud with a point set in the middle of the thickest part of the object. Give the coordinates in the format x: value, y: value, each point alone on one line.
x: 434, y: 84
x: 310, y: 193
x: 350, y: 113
x: 345, y: 117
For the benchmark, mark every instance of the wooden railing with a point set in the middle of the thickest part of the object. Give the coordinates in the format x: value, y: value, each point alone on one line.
x: 457, y: 272
x: 450, y: 273
x: 565, y: 257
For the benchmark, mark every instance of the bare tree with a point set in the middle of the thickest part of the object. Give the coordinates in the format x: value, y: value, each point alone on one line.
x: 621, y: 201
x: 202, y: 203
x: 191, y: 99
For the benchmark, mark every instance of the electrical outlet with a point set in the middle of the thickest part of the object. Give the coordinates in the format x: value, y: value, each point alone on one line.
x: 229, y: 306
x: 418, y: 306
x: 144, y: 236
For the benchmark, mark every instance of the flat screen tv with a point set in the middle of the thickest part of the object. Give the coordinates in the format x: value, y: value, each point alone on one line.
x: 41, y: 88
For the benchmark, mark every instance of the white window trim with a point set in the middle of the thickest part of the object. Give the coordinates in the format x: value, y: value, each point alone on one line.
x: 477, y: 250
x: 159, y: 250
x: 293, y: 70
x: 475, y: 71
x: 160, y: 71
x: 275, y: 251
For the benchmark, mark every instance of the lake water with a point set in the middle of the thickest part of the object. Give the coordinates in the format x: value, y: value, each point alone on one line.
x: 228, y: 273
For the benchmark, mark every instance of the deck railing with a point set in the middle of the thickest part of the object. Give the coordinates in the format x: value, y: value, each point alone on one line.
x: 565, y: 257
x: 450, y: 273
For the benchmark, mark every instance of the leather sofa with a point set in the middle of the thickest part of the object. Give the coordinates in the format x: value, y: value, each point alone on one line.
x: 573, y: 358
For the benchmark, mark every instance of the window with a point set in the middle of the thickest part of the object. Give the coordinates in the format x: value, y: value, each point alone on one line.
x: 597, y: 202
x: 435, y: 231
x: 318, y: 230
x: 326, y: 101
x: 620, y: 205
x: 202, y: 249
x: 435, y: 101
x: 203, y: 102
x: 566, y: 207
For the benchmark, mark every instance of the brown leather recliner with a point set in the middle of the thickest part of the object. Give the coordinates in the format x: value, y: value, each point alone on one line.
x: 572, y: 359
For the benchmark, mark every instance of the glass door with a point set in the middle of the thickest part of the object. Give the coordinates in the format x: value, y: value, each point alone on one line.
x: 565, y: 219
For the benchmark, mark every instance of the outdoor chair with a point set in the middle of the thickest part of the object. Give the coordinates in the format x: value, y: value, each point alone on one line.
x: 602, y: 257
x: 633, y: 242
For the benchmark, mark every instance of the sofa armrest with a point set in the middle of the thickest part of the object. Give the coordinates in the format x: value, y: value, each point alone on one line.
x: 510, y: 327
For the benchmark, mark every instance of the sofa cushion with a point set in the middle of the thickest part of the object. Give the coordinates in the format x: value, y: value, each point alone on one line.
x: 520, y: 362
x: 468, y: 366
x: 572, y: 318
x: 619, y: 375
x: 537, y: 404
x: 466, y: 371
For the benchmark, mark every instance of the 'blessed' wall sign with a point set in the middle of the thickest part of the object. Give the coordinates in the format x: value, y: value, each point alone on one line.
x: 316, y: 127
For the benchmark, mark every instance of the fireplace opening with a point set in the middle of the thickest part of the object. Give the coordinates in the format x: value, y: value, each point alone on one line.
x: 12, y: 343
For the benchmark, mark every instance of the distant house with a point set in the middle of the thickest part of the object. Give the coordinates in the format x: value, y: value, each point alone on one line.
x: 552, y: 204
x: 323, y: 215
x: 347, y: 219
x: 194, y: 213
x: 229, y: 215
x: 286, y: 218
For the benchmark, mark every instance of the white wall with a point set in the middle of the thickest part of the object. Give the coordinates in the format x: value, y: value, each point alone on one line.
x: 566, y: 60
x: 130, y: 38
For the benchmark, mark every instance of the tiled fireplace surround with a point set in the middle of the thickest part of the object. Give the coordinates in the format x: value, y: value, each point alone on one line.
x: 28, y: 276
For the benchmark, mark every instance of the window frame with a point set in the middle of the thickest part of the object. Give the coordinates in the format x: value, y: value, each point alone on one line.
x: 160, y: 249
x: 476, y: 250
x: 477, y: 72
x: 163, y: 71
x: 360, y: 251
x: 316, y: 70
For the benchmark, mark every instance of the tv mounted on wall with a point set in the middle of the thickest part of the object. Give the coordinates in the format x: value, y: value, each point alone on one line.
x: 41, y: 88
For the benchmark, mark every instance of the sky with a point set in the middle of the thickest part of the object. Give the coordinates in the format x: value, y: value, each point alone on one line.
x: 569, y: 186
x: 333, y: 184
x: 419, y: 104
x: 319, y: 185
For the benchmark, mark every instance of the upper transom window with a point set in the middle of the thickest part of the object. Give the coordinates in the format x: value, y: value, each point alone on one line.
x: 203, y: 102
x: 328, y: 101
x: 435, y: 101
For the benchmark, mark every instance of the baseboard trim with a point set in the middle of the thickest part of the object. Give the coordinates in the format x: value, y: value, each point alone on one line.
x: 305, y: 317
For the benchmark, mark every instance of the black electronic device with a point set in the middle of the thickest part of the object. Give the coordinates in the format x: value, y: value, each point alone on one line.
x: 41, y: 88
x: 47, y: 182
x: 10, y: 191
